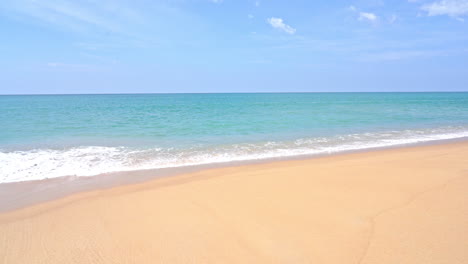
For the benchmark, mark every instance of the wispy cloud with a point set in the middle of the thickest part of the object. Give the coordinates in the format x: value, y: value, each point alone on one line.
x: 71, y: 15
x: 365, y: 16
x: 130, y: 24
x: 279, y: 24
x: 453, y: 8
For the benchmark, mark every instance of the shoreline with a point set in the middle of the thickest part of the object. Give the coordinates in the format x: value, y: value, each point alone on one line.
x: 19, y: 195
x: 401, y: 205
x: 95, y: 159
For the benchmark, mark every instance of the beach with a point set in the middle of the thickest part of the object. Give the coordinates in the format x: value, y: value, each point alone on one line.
x: 220, y: 131
x: 403, y: 205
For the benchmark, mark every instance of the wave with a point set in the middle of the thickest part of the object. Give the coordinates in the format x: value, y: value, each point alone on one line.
x: 37, y: 164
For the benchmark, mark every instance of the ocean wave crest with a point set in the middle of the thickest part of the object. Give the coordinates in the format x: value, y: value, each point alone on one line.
x: 40, y: 164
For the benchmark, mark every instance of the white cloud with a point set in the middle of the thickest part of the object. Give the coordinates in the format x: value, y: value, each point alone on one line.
x: 453, y: 8
x: 250, y: 16
x: 217, y: 1
x: 279, y: 24
x: 257, y: 3
x: 367, y: 16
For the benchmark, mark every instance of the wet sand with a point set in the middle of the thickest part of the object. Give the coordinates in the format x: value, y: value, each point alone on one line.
x: 407, y: 205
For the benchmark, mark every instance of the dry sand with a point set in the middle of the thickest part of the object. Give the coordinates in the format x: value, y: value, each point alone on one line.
x: 406, y: 205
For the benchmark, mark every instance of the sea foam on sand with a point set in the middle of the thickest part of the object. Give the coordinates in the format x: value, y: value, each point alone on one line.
x: 406, y: 205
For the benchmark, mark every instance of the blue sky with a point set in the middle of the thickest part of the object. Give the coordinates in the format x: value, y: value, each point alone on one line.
x: 164, y: 46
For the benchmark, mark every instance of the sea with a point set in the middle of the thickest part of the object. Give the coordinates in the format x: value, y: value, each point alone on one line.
x: 48, y: 136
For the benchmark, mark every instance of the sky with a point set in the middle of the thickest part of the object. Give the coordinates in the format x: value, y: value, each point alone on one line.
x: 191, y: 46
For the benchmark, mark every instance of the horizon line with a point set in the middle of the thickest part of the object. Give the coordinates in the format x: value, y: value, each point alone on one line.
x: 26, y: 94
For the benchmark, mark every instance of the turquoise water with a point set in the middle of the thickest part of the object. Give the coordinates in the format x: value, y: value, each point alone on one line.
x: 57, y: 135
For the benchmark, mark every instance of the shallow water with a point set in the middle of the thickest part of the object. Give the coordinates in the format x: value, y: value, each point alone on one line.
x: 44, y: 136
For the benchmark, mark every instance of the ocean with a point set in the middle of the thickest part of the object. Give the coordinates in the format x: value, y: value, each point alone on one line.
x: 46, y: 136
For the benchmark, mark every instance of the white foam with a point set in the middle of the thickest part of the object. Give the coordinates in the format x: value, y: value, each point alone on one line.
x: 40, y: 164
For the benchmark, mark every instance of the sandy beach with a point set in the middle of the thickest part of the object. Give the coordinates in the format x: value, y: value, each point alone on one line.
x: 407, y: 205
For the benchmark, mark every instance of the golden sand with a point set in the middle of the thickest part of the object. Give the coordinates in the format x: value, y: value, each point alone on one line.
x: 397, y: 206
